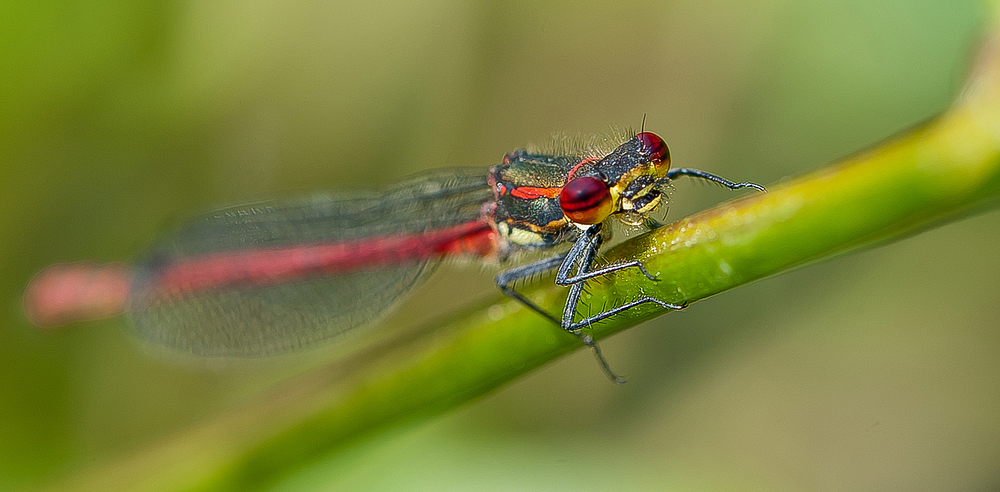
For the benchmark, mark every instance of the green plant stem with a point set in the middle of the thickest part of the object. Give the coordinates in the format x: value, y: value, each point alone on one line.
x: 925, y: 176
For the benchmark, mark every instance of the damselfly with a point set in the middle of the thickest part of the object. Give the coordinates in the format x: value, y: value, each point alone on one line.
x: 274, y: 276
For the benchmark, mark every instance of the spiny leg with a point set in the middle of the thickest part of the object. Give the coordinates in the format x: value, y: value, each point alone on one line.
x: 582, y: 257
x: 590, y: 241
x: 585, y: 259
x: 506, y: 279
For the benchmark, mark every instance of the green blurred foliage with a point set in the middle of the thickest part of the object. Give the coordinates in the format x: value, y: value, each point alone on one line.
x: 873, y: 371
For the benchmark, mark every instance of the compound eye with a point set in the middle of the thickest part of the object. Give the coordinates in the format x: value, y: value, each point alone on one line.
x: 653, y: 147
x: 586, y: 200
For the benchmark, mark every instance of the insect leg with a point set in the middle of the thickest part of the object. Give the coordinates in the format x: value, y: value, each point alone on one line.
x: 583, y: 258
x: 506, y: 279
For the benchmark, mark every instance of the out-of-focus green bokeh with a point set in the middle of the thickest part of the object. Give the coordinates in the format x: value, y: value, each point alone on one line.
x: 874, y: 371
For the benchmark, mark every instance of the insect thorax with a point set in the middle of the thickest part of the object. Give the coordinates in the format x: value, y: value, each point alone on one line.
x: 526, y: 188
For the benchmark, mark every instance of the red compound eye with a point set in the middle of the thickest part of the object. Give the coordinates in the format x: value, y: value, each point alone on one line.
x: 653, y: 146
x: 586, y: 200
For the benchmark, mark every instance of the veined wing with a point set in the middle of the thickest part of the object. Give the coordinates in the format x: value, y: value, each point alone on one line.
x: 274, y: 276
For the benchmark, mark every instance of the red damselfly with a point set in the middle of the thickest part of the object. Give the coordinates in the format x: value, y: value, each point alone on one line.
x: 270, y: 277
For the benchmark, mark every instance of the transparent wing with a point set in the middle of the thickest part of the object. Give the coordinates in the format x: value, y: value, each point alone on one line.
x: 253, y: 318
x: 257, y: 321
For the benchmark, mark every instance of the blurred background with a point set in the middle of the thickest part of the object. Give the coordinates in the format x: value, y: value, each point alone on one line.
x: 877, y: 370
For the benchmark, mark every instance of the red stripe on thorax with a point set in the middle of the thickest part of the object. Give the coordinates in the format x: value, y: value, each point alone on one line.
x: 531, y: 192
x: 272, y: 265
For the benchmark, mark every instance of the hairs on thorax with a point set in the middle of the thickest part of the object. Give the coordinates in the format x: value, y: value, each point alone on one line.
x: 583, y: 145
